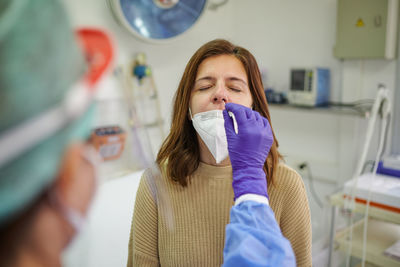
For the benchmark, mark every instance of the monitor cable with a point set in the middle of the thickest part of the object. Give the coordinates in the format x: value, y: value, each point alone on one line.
x: 303, y: 166
x: 381, y: 106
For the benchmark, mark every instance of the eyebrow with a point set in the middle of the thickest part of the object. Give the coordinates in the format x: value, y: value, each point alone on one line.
x: 209, y: 78
x: 206, y: 78
x: 237, y: 79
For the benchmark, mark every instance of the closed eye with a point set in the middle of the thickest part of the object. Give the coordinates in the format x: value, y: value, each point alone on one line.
x: 235, y: 89
x: 204, y: 88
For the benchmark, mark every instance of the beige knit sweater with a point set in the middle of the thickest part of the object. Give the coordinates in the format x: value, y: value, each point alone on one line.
x: 185, y: 226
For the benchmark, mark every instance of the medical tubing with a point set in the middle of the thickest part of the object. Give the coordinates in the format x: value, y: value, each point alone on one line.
x: 152, y: 174
x: 386, y: 131
x: 312, y: 189
x: 158, y: 107
x: 145, y: 119
x: 367, y: 143
x: 375, y: 109
x: 368, y: 162
x: 382, y: 142
x: 362, y: 106
x: 126, y: 78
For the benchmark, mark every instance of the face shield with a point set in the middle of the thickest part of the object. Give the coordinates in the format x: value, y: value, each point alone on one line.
x: 47, y: 85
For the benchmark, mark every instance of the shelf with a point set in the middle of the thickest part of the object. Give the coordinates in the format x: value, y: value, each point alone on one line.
x: 374, y: 212
x: 380, y: 236
x: 328, y: 110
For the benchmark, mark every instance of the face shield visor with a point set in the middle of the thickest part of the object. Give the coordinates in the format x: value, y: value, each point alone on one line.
x: 48, y: 82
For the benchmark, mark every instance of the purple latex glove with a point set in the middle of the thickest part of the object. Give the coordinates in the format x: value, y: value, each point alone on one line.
x: 248, y: 149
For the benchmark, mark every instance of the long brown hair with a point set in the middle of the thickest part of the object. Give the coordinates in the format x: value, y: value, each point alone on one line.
x: 179, y: 153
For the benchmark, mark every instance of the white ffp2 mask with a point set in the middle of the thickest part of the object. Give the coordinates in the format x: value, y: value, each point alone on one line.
x: 210, y: 126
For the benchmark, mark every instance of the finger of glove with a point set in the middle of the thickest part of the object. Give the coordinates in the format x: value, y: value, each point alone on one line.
x: 259, y: 119
x: 267, y: 126
x: 228, y: 122
x: 238, y: 110
x: 250, y: 114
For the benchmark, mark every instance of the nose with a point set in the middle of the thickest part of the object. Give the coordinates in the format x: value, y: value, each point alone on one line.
x: 220, y: 95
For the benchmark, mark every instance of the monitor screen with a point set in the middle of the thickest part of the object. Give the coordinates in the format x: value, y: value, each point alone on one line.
x: 297, y: 80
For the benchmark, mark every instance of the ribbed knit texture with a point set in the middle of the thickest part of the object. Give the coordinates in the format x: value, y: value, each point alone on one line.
x: 195, y: 236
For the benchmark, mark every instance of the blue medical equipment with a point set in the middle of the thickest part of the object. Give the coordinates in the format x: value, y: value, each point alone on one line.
x: 309, y: 87
x: 389, y: 166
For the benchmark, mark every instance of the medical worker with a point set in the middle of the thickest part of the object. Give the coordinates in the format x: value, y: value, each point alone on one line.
x: 253, y: 237
x: 47, y: 173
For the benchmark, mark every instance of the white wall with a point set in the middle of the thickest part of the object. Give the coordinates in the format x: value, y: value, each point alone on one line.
x: 288, y: 33
x: 281, y: 34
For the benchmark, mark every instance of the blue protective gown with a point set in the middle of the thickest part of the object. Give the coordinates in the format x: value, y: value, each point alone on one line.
x: 253, y: 238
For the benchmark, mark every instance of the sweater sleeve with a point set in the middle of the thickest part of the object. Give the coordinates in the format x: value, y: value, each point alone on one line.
x: 143, y: 241
x: 295, y: 221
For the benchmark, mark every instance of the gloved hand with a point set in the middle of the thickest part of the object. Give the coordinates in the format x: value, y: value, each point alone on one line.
x: 248, y: 149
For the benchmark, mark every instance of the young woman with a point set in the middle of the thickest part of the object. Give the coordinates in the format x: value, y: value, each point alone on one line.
x: 196, y: 171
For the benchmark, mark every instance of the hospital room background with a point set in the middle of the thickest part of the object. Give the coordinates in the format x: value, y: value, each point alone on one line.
x: 324, y: 144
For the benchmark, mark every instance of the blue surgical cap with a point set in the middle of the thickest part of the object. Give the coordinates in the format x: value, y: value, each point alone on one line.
x: 40, y: 60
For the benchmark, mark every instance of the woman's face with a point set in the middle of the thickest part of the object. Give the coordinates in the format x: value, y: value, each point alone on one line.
x: 220, y: 79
